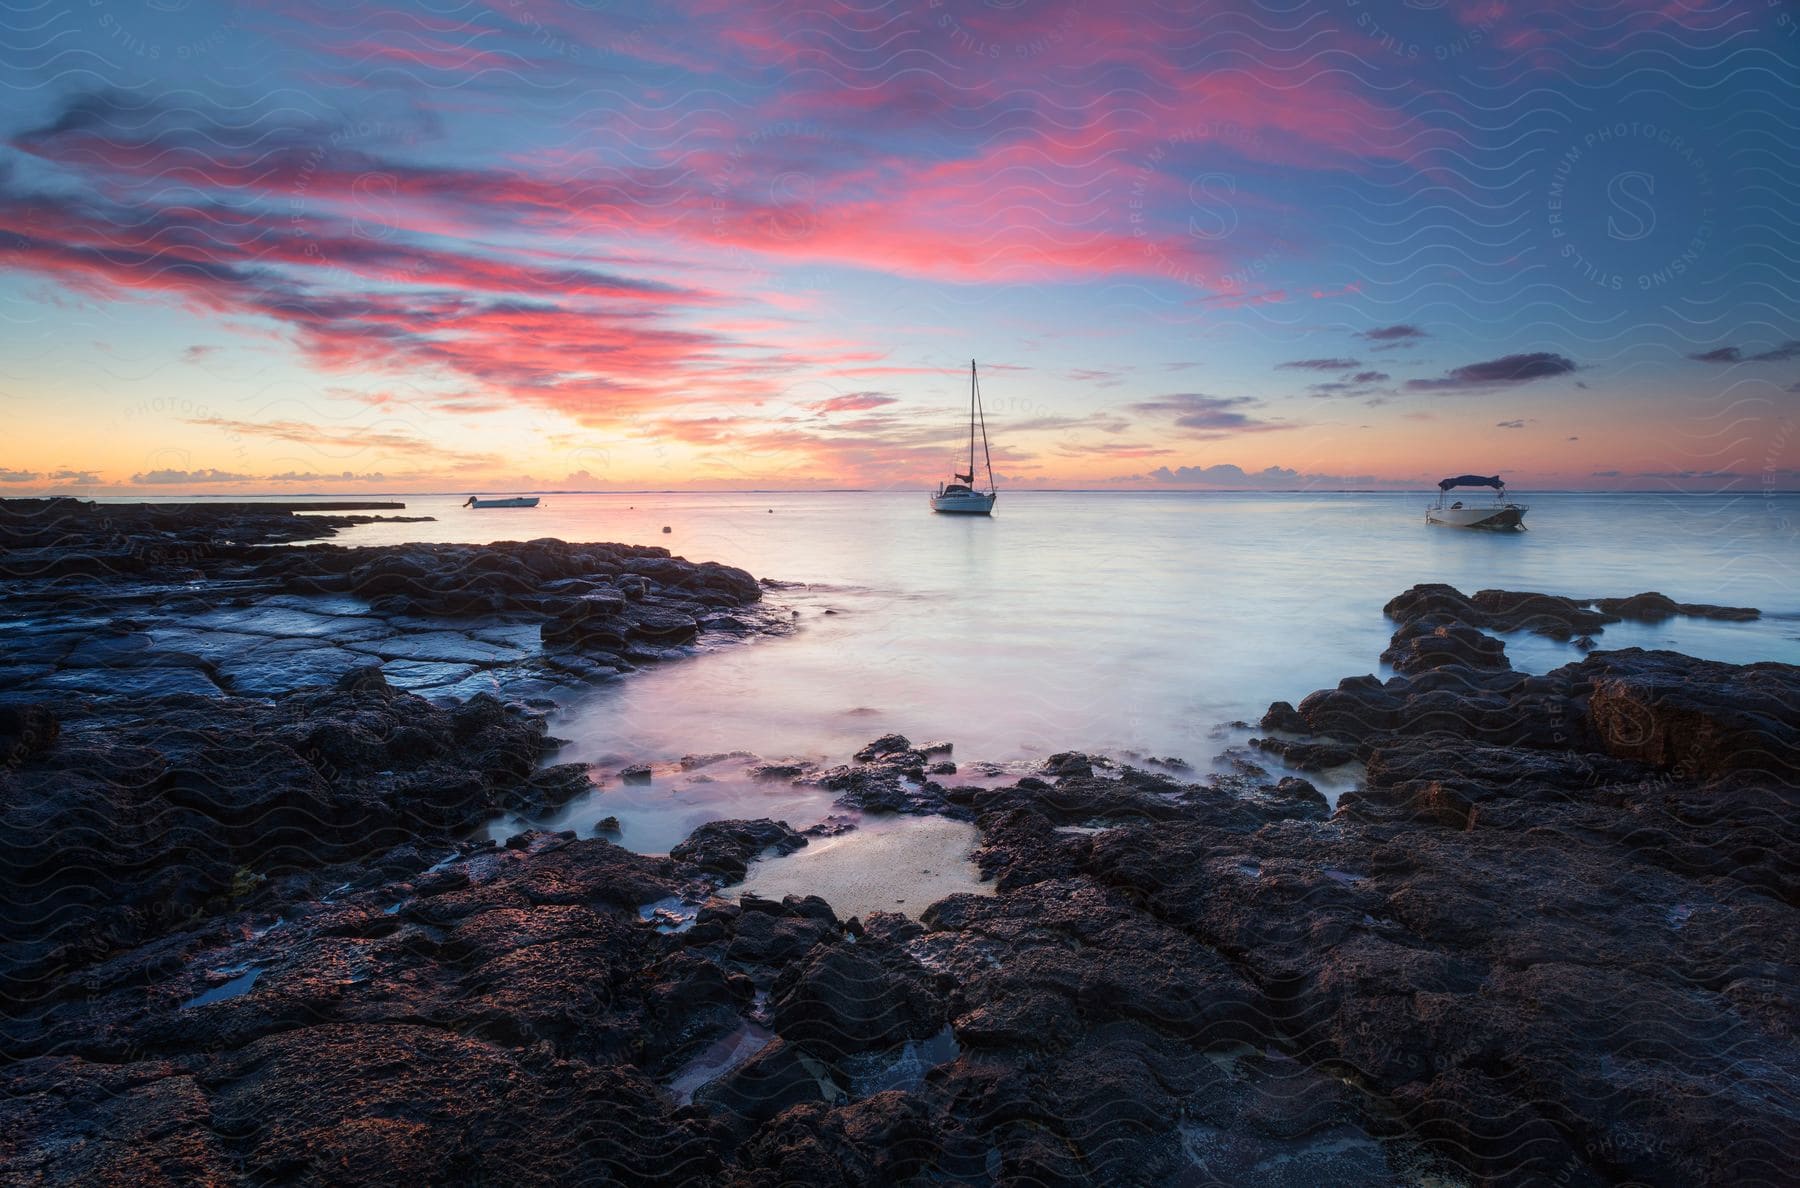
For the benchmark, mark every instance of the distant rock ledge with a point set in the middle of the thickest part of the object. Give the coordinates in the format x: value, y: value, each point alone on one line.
x: 151, y: 600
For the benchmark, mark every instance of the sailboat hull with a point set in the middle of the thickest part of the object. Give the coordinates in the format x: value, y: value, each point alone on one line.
x: 971, y: 504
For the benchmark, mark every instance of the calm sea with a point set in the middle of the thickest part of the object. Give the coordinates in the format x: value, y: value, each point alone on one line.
x: 1133, y: 624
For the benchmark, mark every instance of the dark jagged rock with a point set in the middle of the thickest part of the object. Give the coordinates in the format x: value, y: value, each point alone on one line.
x: 585, y: 620
x: 881, y: 790
x: 1497, y: 610
x: 1529, y: 855
x: 1307, y: 756
x: 1036, y: 968
x: 142, y: 791
x: 26, y: 731
x: 110, y: 837
x: 73, y: 538
x: 886, y: 746
x: 1419, y: 646
x: 1282, y: 716
x: 843, y: 998
x: 189, y: 600
x: 1544, y: 614
x: 1067, y: 764
x: 889, y: 777
x: 1297, y: 798
x: 1432, y: 605
x: 728, y: 847
x: 779, y: 1076
x: 1700, y: 717
x: 886, y: 1139
x: 767, y: 938
x: 1432, y: 600
x: 1652, y: 607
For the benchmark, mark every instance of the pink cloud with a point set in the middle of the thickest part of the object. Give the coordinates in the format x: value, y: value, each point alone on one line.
x: 852, y: 402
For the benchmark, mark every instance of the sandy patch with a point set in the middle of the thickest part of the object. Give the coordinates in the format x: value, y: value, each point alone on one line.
x: 889, y: 864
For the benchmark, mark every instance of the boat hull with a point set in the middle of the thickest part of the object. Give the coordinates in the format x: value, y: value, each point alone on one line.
x: 964, y: 505
x: 522, y: 501
x: 1493, y: 516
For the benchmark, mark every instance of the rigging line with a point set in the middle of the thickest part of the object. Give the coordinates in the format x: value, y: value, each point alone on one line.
x: 985, y: 452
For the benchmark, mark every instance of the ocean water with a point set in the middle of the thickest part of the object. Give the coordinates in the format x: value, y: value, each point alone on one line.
x: 1133, y: 624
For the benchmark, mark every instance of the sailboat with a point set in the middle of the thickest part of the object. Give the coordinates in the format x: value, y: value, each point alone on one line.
x: 959, y: 496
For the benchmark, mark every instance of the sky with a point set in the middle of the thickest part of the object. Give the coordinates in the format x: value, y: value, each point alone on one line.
x: 730, y: 244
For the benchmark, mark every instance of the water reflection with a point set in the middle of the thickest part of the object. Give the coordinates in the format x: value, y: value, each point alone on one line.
x: 1117, y: 623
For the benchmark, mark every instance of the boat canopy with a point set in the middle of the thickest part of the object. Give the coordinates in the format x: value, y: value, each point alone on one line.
x: 1471, y: 480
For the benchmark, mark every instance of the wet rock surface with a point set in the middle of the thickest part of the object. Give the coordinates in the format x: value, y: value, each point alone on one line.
x: 1551, y: 937
x: 1543, y: 614
x: 186, y: 712
x: 178, y: 807
x: 109, y: 599
x: 727, y: 847
x: 47, y: 539
x: 1653, y: 607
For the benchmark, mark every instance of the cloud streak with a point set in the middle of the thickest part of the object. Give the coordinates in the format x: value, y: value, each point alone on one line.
x: 1208, y: 416
x: 1228, y: 476
x: 1730, y: 354
x: 1506, y: 371
x: 188, y: 478
x: 1402, y: 332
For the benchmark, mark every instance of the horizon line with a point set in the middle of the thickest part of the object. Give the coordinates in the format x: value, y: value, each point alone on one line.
x: 1170, y: 490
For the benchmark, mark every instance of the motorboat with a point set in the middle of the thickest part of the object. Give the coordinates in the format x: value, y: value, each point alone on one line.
x: 509, y: 501
x: 1472, y: 513
x: 960, y: 496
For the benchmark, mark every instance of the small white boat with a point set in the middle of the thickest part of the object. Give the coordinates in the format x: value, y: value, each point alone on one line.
x: 509, y: 501
x: 1498, y: 513
x: 959, y: 496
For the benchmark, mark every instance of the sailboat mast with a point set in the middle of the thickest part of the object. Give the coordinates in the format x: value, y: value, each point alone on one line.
x: 971, y: 423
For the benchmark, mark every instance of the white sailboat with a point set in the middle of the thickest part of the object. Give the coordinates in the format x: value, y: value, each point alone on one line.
x: 1499, y: 513
x: 960, y: 496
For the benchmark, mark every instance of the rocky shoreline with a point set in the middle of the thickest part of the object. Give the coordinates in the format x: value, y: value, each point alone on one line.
x: 1552, y: 936
x: 133, y: 599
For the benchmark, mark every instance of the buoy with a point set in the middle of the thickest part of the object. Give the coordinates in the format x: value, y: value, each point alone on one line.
x: 666, y: 528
